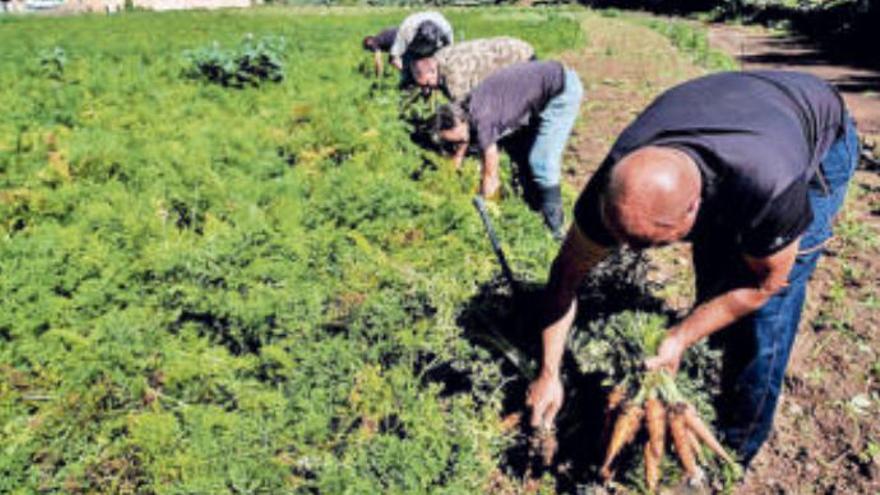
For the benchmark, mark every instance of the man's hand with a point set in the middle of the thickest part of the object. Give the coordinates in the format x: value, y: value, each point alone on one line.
x: 770, y: 273
x: 458, y: 155
x: 545, y: 397
x: 668, y: 354
x: 490, y: 188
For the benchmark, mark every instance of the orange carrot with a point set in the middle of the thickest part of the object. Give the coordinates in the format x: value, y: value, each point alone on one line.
x: 696, y: 446
x: 625, y: 430
x: 511, y: 422
x: 655, y: 421
x: 703, y: 433
x: 615, y: 397
x: 652, y: 469
x: 678, y: 432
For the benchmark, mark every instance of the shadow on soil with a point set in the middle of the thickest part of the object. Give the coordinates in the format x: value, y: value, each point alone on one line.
x: 842, y: 34
x: 508, y: 326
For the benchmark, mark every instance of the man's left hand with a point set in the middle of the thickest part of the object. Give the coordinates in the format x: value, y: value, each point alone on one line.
x: 668, y: 355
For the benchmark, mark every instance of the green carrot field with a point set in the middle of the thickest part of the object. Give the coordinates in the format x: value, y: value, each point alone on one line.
x: 213, y: 290
x: 229, y: 266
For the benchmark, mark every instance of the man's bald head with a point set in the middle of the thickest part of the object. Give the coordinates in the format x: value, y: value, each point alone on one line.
x: 652, y: 196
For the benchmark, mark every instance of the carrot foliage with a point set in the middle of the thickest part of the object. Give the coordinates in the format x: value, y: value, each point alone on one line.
x: 214, y: 291
x: 616, y: 348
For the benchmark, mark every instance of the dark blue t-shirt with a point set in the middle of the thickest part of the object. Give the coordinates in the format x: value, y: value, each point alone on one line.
x: 383, y: 40
x: 758, y: 138
x: 511, y: 98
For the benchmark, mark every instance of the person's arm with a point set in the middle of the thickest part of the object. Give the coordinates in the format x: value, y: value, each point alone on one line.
x: 458, y: 156
x: 377, y: 62
x: 398, y: 47
x: 446, y: 28
x: 489, y: 181
x: 577, y: 256
x: 771, y: 275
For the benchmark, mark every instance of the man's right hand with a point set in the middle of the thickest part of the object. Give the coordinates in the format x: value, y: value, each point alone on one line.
x: 545, y: 397
x: 490, y: 189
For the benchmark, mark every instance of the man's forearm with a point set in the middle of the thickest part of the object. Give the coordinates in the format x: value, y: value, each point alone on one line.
x: 396, y: 50
x: 377, y: 62
x: 489, y: 171
x: 771, y: 275
x: 460, y: 153
x: 576, y: 258
x: 553, y: 342
x: 718, y: 313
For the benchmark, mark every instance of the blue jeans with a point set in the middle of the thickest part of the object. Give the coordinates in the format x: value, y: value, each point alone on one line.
x: 554, y: 128
x: 756, y: 349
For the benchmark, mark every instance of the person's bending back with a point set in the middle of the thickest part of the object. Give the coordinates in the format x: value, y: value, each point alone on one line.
x: 379, y: 44
x: 543, y: 96
x: 420, y: 35
x: 458, y: 69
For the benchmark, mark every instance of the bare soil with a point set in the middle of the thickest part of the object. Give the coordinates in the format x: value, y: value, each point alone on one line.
x: 757, y: 48
x: 623, y: 67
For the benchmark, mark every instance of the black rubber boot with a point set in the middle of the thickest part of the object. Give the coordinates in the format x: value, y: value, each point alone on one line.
x: 551, y: 209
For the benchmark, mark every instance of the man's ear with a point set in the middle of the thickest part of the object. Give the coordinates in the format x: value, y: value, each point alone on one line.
x: 694, y: 206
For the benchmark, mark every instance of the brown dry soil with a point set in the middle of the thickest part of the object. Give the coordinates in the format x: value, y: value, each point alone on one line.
x: 826, y: 438
x: 757, y: 48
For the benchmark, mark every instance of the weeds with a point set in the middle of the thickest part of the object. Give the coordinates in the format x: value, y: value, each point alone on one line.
x: 692, y: 40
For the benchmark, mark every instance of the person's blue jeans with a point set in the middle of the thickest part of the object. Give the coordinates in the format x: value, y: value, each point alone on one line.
x: 756, y: 349
x: 557, y: 120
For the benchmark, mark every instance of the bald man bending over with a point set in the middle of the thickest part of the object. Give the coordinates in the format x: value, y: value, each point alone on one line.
x: 751, y: 168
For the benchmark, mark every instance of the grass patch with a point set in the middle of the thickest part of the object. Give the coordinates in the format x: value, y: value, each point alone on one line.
x: 691, y: 39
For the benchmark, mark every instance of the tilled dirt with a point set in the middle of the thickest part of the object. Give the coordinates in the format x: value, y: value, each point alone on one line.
x: 623, y: 67
x: 826, y: 436
x: 757, y: 48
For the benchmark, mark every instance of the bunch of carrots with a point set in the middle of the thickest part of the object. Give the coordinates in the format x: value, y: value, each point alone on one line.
x: 661, y: 408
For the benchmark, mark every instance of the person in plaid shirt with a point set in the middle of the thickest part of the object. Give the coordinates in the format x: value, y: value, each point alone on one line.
x: 458, y: 69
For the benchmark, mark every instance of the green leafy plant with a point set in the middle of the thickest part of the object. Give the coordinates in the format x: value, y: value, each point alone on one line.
x: 692, y: 39
x: 51, y: 62
x: 253, y: 62
x: 212, y: 291
x: 644, y: 407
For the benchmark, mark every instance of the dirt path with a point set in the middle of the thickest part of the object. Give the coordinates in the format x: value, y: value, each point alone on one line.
x: 623, y: 67
x: 760, y: 49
